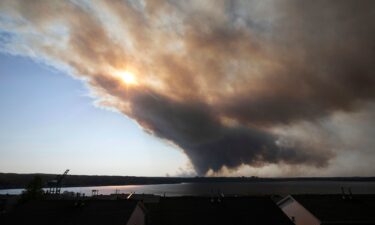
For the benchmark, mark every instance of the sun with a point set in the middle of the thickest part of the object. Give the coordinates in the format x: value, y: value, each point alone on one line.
x: 127, y: 77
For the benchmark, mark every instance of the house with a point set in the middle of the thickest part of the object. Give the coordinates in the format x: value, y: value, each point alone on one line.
x: 77, y: 212
x: 216, y: 210
x: 329, y: 209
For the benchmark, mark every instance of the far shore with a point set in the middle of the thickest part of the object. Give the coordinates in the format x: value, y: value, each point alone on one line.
x: 17, y: 181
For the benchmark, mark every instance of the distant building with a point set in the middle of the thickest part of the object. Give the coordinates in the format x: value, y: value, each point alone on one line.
x: 216, y: 211
x: 73, y: 212
x: 329, y: 209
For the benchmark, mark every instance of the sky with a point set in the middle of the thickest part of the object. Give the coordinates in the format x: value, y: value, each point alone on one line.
x: 49, y: 123
x: 174, y: 88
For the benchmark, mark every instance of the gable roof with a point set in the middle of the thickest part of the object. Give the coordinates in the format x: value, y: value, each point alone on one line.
x: 230, y: 210
x: 334, y: 209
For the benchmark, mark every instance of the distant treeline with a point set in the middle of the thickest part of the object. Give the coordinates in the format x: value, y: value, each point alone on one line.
x: 13, y: 180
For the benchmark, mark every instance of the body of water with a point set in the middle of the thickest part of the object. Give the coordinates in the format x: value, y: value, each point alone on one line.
x: 235, y: 188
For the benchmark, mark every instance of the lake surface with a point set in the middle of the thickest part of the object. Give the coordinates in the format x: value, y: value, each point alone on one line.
x: 228, y: 188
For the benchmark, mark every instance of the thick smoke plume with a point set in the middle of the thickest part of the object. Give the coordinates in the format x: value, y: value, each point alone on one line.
x: 217, y: 78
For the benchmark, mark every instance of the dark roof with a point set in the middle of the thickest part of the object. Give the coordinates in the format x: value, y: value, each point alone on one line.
x: 334, y: 209
x: 231, y: 210
x: 66, y: 212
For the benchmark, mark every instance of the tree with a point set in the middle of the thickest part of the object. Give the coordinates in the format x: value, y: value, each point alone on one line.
x: 34, y: 190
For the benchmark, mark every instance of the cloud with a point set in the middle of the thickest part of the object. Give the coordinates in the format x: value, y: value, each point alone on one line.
x: 226, y: 81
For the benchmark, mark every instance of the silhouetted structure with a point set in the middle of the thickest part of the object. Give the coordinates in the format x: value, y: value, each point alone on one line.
x: 216, y: 210
x: 73, y: 212
x: 55, y: 185
x: 330, y: 209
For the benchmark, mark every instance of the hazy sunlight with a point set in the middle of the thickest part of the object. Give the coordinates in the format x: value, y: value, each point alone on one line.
x: 127, y: 77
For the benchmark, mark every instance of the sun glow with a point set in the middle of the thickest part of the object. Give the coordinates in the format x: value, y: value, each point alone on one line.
x: 127, y: 77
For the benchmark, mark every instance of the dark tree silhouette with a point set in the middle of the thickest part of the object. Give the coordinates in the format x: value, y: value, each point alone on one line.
x: 34, y: 190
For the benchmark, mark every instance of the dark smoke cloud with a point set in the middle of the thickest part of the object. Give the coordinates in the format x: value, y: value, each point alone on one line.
x: 210, y: 145
x: 215, y: 77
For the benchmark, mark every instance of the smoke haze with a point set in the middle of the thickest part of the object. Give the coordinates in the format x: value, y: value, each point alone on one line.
x: 234, y: 84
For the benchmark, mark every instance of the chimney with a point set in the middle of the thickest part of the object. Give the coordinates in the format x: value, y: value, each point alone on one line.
x: 350, y: 193
x: 343, y: 193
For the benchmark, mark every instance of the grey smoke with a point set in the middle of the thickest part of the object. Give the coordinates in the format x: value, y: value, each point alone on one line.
x: 261, y: 65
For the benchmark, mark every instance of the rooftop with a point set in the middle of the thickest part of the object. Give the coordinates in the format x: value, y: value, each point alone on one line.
x: 68, y: 212
x: 334, y: 209
x: 230, y: 210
